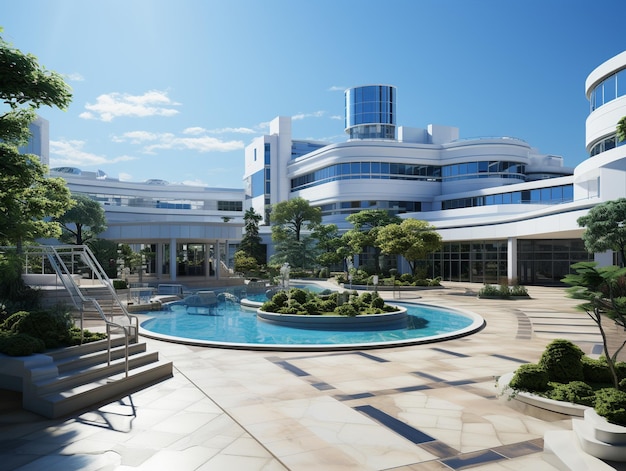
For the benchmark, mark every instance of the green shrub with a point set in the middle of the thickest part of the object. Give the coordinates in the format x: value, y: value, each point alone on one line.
x: 611, y: 404
x: 18, y: 345
x: 488, y: 290
x: 120, y: 284
x: 530, y: 377
x: 366, y: 298
x: 88, y: 336
x: 312, y: 307
x: 346, y: 310
x: 596, y: 371
x: 53, y: 327
x: 378, y: 302
x: 298, y: 295
x: 270, y: 306
x: 577, y: 392
x: 518, y: 290
x: 562, y: 360
x: 280, y: 298
x: 328, y: 305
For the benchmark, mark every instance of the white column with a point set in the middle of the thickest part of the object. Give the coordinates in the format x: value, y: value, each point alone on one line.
x: 173, y: 266
x: 511, y: 258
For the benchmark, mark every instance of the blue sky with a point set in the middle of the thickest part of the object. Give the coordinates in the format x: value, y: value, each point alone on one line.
x: 176, y: 89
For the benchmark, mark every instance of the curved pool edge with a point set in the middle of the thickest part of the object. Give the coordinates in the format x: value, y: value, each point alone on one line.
x: 478, y: 324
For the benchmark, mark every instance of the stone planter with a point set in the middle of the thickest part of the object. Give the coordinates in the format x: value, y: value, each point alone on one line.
x: 388, y: 320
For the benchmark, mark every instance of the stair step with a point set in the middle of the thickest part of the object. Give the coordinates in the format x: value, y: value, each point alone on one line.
x: 87, y: 360
x: 60, y: 404
x: 86, y: 348
x: 76, y: 381
x: 562, y: 450
x: 585, y: 431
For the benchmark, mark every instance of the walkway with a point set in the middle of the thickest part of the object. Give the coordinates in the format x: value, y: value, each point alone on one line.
x: 419, y: 408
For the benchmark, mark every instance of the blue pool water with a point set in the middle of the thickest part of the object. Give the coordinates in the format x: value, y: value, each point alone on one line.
x: 231, y: 325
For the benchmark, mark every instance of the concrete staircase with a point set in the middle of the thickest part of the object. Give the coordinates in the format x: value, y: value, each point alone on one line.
x: 73, y: 379
x: 592, y: 444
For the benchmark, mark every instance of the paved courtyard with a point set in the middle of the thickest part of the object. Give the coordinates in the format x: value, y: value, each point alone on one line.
x: 420, y: 408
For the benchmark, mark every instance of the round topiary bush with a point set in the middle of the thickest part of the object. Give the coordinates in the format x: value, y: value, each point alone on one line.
x: 611, y: 404
x: 596, y: 371
x: 562, y: 360
x: 346, y: 310
x: 530, y: 377
x: 577, y: 392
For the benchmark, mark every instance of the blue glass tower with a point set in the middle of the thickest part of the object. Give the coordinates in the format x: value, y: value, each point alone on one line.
x: 371, y: 112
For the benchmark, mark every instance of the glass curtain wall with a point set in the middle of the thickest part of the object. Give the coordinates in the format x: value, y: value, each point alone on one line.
x: 546, y: 262
x: 482, y: 262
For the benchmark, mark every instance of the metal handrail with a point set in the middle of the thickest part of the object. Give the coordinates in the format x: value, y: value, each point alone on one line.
x: 53, y: 255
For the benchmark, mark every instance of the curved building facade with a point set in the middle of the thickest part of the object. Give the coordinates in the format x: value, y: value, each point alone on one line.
x: 504, y: 209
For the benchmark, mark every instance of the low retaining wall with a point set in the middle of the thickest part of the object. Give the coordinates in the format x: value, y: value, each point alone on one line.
x: 386, y: 320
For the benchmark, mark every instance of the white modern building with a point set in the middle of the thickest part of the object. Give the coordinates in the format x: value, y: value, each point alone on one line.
x: 193, y: 231
x: 502, y: 208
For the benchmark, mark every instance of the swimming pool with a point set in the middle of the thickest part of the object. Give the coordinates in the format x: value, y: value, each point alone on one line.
x: 231, y: 326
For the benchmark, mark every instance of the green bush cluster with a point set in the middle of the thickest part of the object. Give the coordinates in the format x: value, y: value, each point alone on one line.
x: 564, y: 373
x: 503, y: 291
x: 346, y: 303
x: 361, y: 277
x: 24, y: 333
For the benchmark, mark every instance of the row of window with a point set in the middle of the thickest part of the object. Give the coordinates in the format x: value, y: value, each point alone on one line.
x: 605, y: 144
x: 550, y: 195
x: 348, y: 207
x: 139, y: 202
x: 394, y: 171
x: 609, y: 89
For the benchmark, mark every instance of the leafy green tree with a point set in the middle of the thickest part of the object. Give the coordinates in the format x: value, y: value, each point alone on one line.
x: 244, y: 263
x: 367, y: 224
x: 329, y: 245
x: 603, y: 290
x: 605, y: 228
x: 251, y: 241
x: 412, y: 239
x: 105, y: 252
x: 289, y: 219
x: 27, y: 197
x: 83, y: 221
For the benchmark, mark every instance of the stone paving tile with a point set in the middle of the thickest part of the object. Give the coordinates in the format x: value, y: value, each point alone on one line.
x: 300, y: 411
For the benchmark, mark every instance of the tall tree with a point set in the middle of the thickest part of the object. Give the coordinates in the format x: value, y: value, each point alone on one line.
x: 289, y: 219
x: 27, y: 197
x: 366, y: 224
x: 329, y: 244
x: 605, y: 228
x: 251, y: 242
x: 83, y: 221
x: 412, y: 239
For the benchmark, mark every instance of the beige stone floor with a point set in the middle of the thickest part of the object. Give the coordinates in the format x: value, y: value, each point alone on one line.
x: 419, y: 408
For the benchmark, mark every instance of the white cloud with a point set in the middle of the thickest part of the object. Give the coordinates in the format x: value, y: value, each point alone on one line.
x: 71, y: 153
x: 136, y: 137
x: 125, y: 177
x: 194, y: 130
x: 232, y: 130
x: 315, y: 114
x: 165, y: 141
x: 75, y: 77
x: 114, y: 105
x: 336, y: 88
x: 195, y: 183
